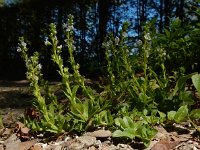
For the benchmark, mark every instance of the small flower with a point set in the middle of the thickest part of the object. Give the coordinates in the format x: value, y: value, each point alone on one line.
x: 124, y: 34
x: 117, y: 40
x: 70, y: 16
x: 66, y: 40
x: 106, y: 44
x: 59, y: 47
x: 164, y: 54
x: 138, y: 43
x: 47, y: 42
x: 39, y: 66
x: 74, y: 47
x: 19, y: 49
x: 23, y: 44
x: 64, y: 25
x: 68, y: 27
x: 147, y: 36
x: 36, y: 78
x: 55, y: 38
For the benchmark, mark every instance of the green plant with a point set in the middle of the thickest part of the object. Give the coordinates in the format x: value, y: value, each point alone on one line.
x: 132, y: 129
x: 1, y: 122
x: 81, y: 114
x: 139, y: 94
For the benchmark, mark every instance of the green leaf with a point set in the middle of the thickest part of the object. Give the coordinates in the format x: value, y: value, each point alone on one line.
x: 153, y: 84
x: 171, y: 114
x: 128, y: 121
x: 128, y: 132
x: 167, y: 33
x: 119, y: 122
x: 196, y: 82
x: 118, y: 133
x: 162, y: 116
x: 181, y: 114
x: 186, y: 97
x: 180, y: 84
x: 195, y: 114
x: 85, y: 109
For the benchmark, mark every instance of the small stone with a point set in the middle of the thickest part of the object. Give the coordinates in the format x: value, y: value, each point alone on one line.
x: 76, y: 146
x: 124, y: 147
x: 37, y: 147
x: 27, y: 145
x: 11, y: 139
x: 1, y: 147
x: 13, y: 146
x: 7, y: 132
x: 53, y: 147
x: 58, y: 147
x: 107, y: 147
x: 98, y: 143
x: 87, y: 140
x: 99, y: 133
x: 92, y: 148
x: 1, y: 142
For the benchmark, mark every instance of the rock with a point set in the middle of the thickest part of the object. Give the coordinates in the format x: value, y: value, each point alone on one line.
x: 99, y: 133
x: 75, y: 146
x: 108, y: 147
x: 7, y: 132
x: 81, y: 143
x: 124, y: 147
x: 37, y: 146
x: 87, y: 140
x: 27, y: 145
x: 92, y: 148
x: 13, y: 146
x: 58, y: 147
x: 11, y: 139
x: 1, y: 147
x: 52, y: 147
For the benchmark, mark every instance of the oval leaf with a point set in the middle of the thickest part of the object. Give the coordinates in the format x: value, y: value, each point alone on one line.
x: 195, y: 114
x: 171, y: 114
x: 181, y: 114
x: 196, y: 82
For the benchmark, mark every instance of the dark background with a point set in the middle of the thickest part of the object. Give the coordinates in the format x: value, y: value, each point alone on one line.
x: 93, y: 19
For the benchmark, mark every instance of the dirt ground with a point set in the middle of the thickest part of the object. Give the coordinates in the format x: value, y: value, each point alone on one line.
x: 15, y: 96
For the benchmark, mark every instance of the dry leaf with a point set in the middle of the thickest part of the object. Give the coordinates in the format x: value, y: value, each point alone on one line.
x: 32, y: 113
x: 165, y: 145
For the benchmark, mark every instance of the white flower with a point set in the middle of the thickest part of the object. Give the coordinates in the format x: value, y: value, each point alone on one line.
x: 23, y: 44
x: 39, y: 66
x: 74, y: 47
x: 138, y: 43
x: 70, y: 16
x: 147, y: 36
x: 64, y: 25
x: 124, y: 34
x: 47, y: 42
x: 70, y: 28
x: 19, y: 49
x: 59, y: 47
x: 55, y: 38
x: 36, y: 78
x: 106, y: 44
x: 164, y: 54
x: 117, y: 40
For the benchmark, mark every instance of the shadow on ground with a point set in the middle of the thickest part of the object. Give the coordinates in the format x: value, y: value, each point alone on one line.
x: 15, y: 94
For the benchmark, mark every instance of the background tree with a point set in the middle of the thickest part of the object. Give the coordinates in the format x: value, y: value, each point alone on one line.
x: 93, y: 20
